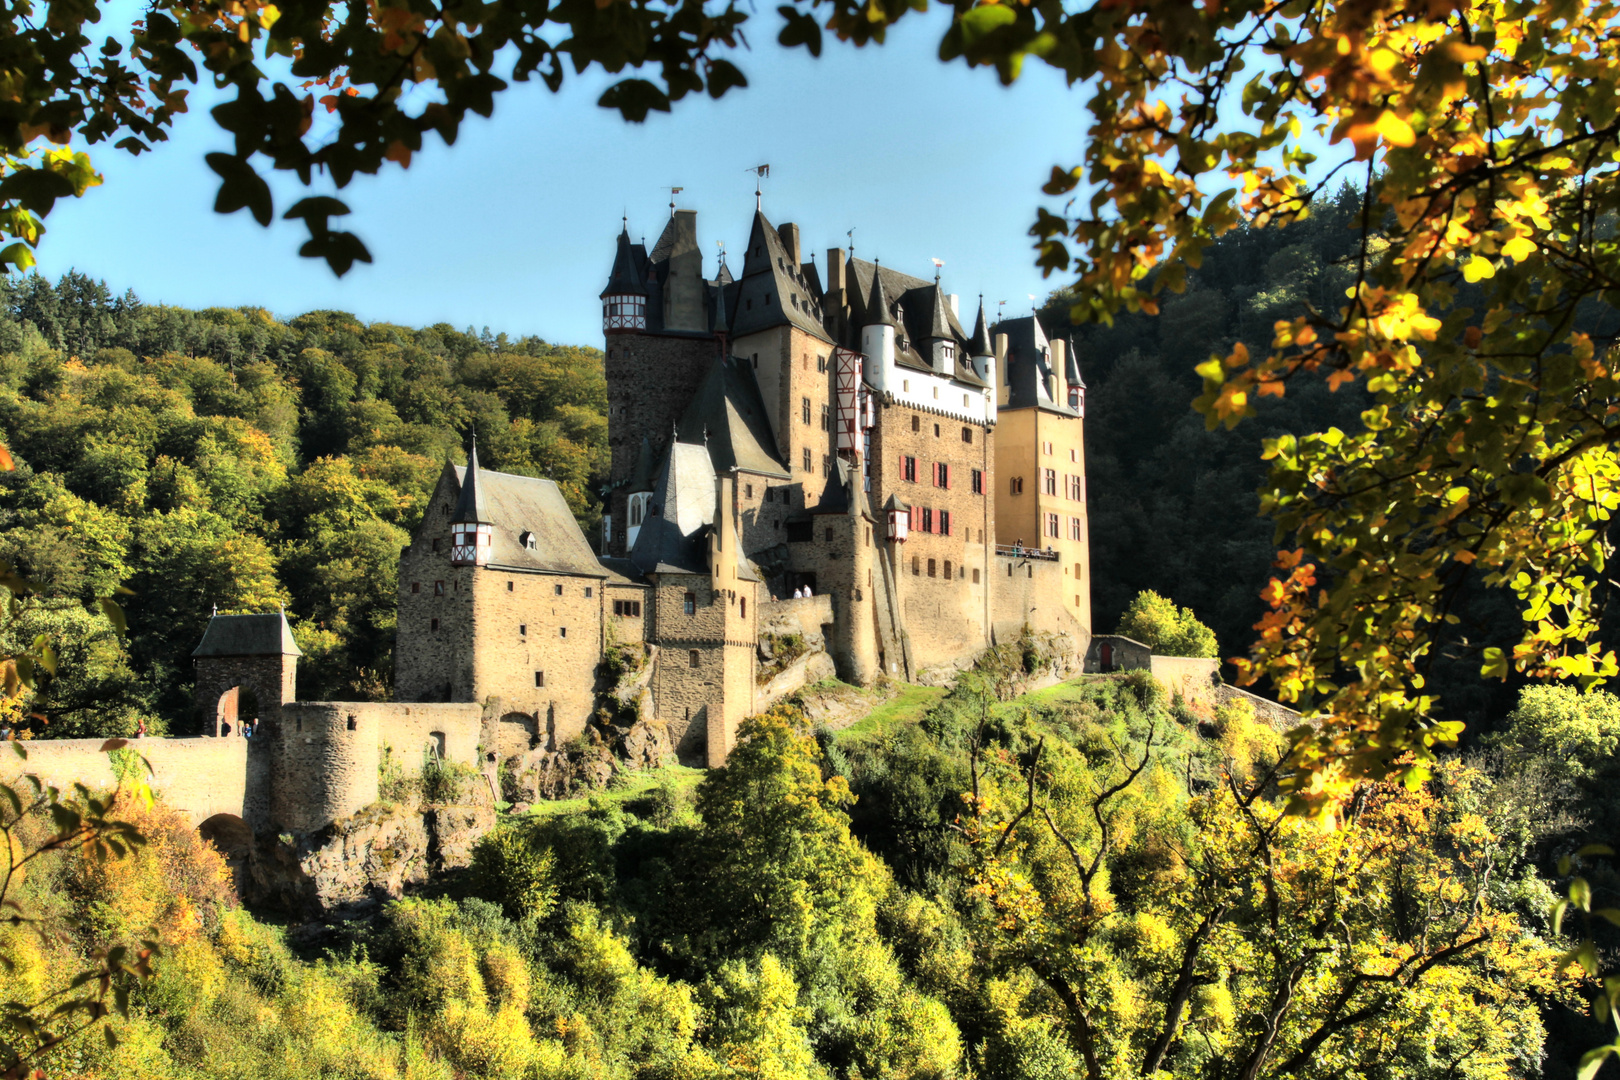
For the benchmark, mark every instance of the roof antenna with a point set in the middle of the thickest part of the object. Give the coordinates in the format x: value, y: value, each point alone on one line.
x: 674, y: 191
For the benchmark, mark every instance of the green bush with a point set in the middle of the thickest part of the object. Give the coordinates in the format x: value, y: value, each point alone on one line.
x: 1166, y: 629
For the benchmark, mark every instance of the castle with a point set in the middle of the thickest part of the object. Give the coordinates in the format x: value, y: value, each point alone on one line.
x: 770, y: 434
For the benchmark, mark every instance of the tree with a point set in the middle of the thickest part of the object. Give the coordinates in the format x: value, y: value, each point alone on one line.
x: 1170, y: 631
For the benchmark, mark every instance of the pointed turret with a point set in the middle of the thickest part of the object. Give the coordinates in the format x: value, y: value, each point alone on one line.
x: 624, y: 300
x: 720, y: 327
x: 470, y: 529
x: 981, y: 345
x: 877, y: 334
x: 1077, y: 385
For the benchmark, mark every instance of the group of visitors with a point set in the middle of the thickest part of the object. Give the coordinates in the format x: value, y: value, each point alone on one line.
x: 803, y: 592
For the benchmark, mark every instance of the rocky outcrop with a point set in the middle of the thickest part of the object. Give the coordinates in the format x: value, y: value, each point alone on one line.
x: 351, y: 866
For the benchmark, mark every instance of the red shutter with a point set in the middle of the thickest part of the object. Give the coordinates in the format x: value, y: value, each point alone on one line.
x: 916, y: 518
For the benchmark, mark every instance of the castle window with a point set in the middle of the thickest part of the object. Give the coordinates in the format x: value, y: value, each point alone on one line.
x: 562, y: 631
x: 908, y: 467
x: 967, y: 432
x: 435, y: 544
x: 1074, y: 455
x: 805, y: 410
x: 1077, y: 600
x: 540, y: 678
x: 808, y: 464
x: 905, y: 386
x: 1046, y: 448
x: 978, y: 482
x: 826, y: 465
x: 931, y: 572
x: 433, y: 624
x: 438, y: 588
x: 829, y: 534
x: 508, y: 586
x: 942, y: 475
x: 1074, y: 528
x: 590, y: 591
x: 975, y: 577
x: 1077, y: 571
x: 689, y: 604
x: 821, y: 363
x: 928, y: 524
x: 556, y: 590
x: 416, y: 586
x: 936, y: 426
x: 945, y: 524
x: 529, y: 542
x: 826, y: 424
x: 1071, y: 486
x: 523, y: 629
x: 804, y: 361
x: 1015, y: 486
x: 1051, y: 525
x: 1049, y: 481
x: 915, y: 563
x: 353, y: 723
x: 916, y: 423
x: 692, y: 658
x: 742, y: 608
x: 947, y: 569
x: 748, y: 491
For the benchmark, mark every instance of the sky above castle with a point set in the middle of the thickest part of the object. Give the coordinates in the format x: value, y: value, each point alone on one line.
x: 513, y: 227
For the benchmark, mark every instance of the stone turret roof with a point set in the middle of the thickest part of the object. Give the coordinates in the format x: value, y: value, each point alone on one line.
x: 846, y: 494
x: 516, y: 505
x: 673, y: 534
x: 877, y: 302
x: 1029, y: 366
x: 940, y: 317
x: 470, y: 503
x: 773, y: 292
x: 248, y: 635
x: 981, y: 345
x: 627, y: 277
x: 924, y: 316
x: 728, y: 413
x: 1072, y: 367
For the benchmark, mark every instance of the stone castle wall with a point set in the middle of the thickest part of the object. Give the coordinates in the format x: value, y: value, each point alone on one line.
x: 1029, y: 592
x: 946, y: 616
x: 199, y: 777
x: 434, y: 663
x: 272, y: 680
x: 537, y: 646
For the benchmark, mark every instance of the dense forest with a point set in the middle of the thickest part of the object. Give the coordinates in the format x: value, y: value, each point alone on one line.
x: 1089, y: 881
x: 225, y: 459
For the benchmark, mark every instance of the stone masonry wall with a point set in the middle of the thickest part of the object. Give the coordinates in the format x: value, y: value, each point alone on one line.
x: 790, y: 367
x: 681, y: 689
x: 324, y: 766
x: 650, y: 381
x: 434, y: 663
x: 271, y: 678
x: 945, y: 616
x: 627, y: 629
x: 1030, y: 592
x: 1194, y: 678
x: 841, y: 554
x: 546, y: 623
x: 199, y: 777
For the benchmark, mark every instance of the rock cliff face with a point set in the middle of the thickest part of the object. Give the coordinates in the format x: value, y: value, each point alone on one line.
x: 355, y: 864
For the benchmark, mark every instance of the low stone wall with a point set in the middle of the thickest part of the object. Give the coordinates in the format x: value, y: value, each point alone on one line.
x: 1116, y: 652
x: 1194, y: 678
x: 810, y: 668
x: 199, y: 777
x: 409, y: 728
x: 1278, y: 716
x: 804, y: 617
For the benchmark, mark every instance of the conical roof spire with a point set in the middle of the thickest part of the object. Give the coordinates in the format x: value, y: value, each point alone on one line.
x: 470, y: 506
x: 1071, y: 365
x: 939, y: 325
x: 981, y: 344
x: 877, y: 307
x: 626, y: 278
x: 720, y: 326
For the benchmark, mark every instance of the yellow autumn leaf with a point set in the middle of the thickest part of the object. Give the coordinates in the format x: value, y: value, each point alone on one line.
x: 1395, y: 131
x: 1478, y: 269
x: 1519, y: 248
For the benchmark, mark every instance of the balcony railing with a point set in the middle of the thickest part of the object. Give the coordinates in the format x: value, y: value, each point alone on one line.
x: 1013, y: 551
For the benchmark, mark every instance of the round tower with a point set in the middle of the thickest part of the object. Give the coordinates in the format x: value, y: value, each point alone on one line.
x: 877, y: 333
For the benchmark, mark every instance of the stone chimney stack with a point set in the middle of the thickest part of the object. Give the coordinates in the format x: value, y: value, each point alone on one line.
x: 790, y: 240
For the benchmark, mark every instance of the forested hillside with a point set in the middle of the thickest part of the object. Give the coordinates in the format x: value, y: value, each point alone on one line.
x: 1086, y: 882
x: 1174, y: 507
x: 226, y: 459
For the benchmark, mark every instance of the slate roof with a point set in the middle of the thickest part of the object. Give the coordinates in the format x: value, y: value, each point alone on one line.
x: 1072, y: 367
x: 849, y: 488
x: 1029, y: 366
x: 629, y: 272
x: 470, y: 503
x: 774, y: 290
x: 645, y: 474
x: 673, y: 537
x: 248, y: 635
x: 621, y: 571
x: 515, y: 505
x: 981, y: 343
x: 727, y: 413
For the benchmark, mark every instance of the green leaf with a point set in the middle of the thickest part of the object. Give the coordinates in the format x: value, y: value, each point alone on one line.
x: 1595, y: 849
x: 19, y: 255
x: 634, y: 98
x: 983, y: 20
x: 240, y: 187
x: 36, y: 189
x: 341, y: 250
x: 114, y: 613
x: 1593, y: 1060
x: 1609, y: 913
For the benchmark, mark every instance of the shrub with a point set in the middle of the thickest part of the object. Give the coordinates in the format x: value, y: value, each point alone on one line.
x: 1166, y: 629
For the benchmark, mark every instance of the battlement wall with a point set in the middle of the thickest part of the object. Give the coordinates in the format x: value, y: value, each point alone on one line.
x: 199, y: 777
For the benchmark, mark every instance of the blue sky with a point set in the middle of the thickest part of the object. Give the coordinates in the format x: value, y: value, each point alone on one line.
x: 513, y: 227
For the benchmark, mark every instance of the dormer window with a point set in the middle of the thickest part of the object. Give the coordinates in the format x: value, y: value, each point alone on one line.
x: 947, y: 351
x: 529, y: 542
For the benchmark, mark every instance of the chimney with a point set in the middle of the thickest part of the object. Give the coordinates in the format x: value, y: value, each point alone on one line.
x: 835, y: 270
x: 1060, y: 371
x: 790, y: 240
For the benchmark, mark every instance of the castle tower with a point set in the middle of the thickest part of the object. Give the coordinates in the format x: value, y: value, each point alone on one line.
x: 247, y: 668
x: 471, y: 530
x: 877, y: 335
x: 624, y: 300
x: 983, y: 352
